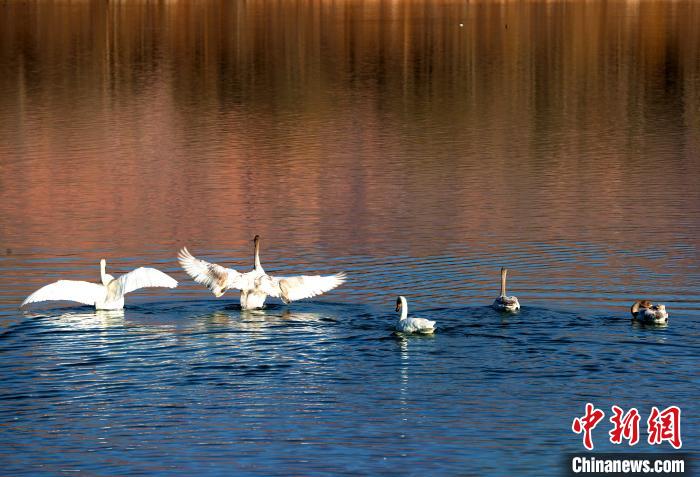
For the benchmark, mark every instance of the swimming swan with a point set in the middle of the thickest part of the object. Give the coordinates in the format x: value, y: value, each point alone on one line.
x: 645, y: 311
x: 256, y: 285
x: 108, y: 295
x: 411, y: 325
x: 504, y: 302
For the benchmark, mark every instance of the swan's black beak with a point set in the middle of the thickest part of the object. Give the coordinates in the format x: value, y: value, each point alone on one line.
x: 398, y: 305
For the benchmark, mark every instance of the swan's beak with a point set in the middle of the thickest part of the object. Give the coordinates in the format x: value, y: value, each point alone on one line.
x: 398, y: 306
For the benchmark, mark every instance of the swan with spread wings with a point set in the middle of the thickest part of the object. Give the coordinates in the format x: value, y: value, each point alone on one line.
x: 256, y: 285
x: 107, y: 295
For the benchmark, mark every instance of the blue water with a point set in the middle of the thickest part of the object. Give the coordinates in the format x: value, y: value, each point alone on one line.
x: 326, y: 387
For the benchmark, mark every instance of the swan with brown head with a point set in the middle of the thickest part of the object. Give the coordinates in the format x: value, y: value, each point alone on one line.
x: 646, y: 312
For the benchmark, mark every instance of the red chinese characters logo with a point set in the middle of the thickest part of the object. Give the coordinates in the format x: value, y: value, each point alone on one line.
x: 665, y: 426
x: 626, y: 426
x: 587, y: 423
x: 662, y: 426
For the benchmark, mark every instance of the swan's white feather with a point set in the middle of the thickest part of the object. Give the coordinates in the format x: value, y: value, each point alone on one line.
x: 299, y: 287
x: 69, y: 290
x: 141, y: 277
x: 256, y: 285
x: 215, y: 277
x: 415, y: 325
x: 658, y: 314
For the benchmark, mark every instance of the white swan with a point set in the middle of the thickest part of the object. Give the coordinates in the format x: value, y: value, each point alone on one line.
x: 646, y: 312
x: 504, y: 302
x: 256, y: 285
x: 411, y: 325
x: 108, y: 295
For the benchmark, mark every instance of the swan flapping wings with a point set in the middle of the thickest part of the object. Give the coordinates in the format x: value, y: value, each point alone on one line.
x: 141, y: 277
x: 219, y: 279
x: 215, y: 277
x: 108, y: 295
x: 69, y: 290
x: 297, y: 288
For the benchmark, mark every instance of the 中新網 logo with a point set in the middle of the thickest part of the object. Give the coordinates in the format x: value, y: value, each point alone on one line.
x: 662, y: 426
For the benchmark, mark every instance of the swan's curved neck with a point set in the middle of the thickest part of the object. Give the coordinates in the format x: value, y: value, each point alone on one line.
x: 256, y: 263
x: 103, y: 273
x: 504, y: 273
x: 635, y: 308
x: 404, y: 308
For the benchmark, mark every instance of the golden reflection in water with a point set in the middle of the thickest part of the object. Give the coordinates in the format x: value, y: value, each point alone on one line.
x: 161, y: 123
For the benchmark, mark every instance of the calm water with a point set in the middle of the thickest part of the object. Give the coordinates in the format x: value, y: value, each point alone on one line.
x: 560, y: 139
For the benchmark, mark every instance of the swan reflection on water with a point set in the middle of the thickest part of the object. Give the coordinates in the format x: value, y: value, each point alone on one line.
x: 403, y: 371
x: 649, y: 325
x: 257, y: 319
x: 84, y: 320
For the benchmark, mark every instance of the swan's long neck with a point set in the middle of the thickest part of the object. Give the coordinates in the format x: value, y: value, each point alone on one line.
x: 504, y: 273
x: 404, y: 308
x: 635, y: 308
x: 256, y: 264
x: 103, y: 273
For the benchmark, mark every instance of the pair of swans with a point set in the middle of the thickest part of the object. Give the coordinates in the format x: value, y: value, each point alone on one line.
x: 255, y: 285
x: 421, y: 325
x: 642, y: 310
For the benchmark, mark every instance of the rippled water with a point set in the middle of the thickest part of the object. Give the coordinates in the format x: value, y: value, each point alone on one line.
x: 559, y: 139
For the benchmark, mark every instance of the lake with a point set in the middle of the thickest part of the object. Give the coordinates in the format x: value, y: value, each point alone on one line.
x: 418, y: 146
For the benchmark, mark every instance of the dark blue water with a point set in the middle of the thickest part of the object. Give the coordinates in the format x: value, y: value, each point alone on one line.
x: 325, y: 387
x: 558, y: 139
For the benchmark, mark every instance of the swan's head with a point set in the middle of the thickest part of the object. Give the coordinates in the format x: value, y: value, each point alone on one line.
x: 103, y: 262
x: 256, y: 239
x: 400, y: 303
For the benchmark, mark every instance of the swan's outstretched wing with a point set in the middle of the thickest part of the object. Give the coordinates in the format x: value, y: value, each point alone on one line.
x: 303, y: 286
x: 215, y: 277
x: 140, y: 278
x: 68, y: 290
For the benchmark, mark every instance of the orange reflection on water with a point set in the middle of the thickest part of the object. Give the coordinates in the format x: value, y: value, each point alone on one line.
x: 131, y: 126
